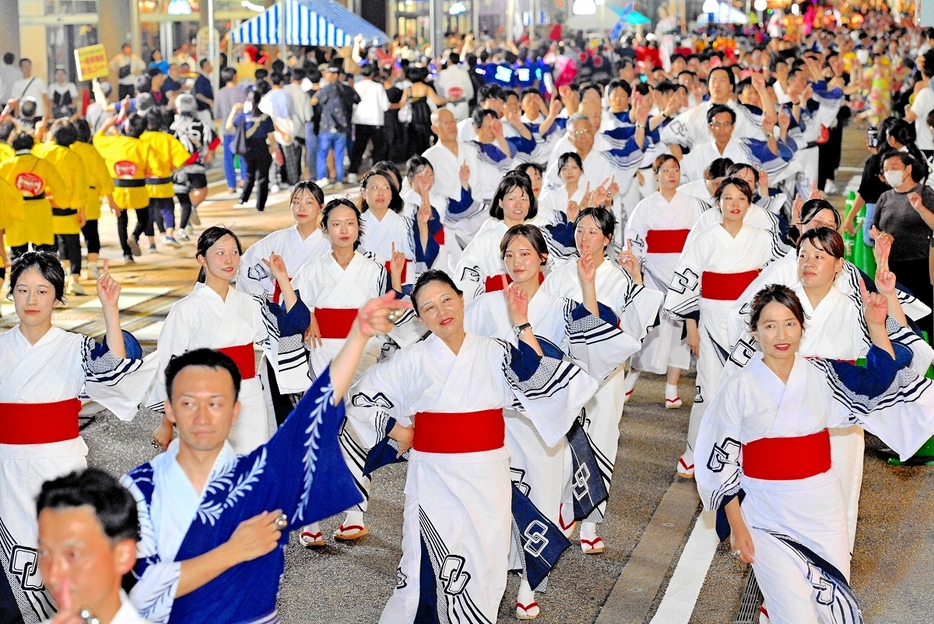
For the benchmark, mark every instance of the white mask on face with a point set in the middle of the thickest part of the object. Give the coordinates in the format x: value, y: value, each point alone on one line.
x: 894, y: 178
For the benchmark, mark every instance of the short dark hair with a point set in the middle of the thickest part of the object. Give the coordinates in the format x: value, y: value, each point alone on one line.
x: 207, y: 240
x: 22, y: 140
x: 8, y: 58
x: 47, y: 264
x: 513, y: 179
x: 479, y: 114
x: 431, y: 275
x: 395, y: 202
x: 83, y: 129
x: 454, y: 58
x: 824, y: 238
x: 603, y: 218
x: 112, y: 503
x: 717, y: 169
x: 530, y: 233
x: 135, y: 125
x: 733, y: 181
x: 729, y: 74
x: 719, y: 109
x: 276, y: 78
x: 311, y: 187
x: 415, y: 165
x: 524, y: 168
x: 202, y: 63
x: 228, y: 74
x: 618, y: 83
x: 779, y: 294
x: 143, y: 84
x: 565, y: 157
x: 337, y: 202
x: 204, y: 358
x: 64, y: 133
x: 391, y: 167
x: 24, y: 60
x: 661, y: 160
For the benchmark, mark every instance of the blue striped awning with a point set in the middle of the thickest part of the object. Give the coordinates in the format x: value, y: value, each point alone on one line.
x: 308, y: 23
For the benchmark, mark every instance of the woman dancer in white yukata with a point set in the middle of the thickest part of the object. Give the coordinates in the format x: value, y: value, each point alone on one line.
x: 764, y: 453
x: 619, y: 287
x: 334, y: 287
x: 384, y: 223
x: 455, y: 385
x: 216, y: 316
x: 298, y: 245
x: 716, y: 266
x: 657, y: 230
x: 43, y: 370
x: 585, y: 331
x: 481, y: 267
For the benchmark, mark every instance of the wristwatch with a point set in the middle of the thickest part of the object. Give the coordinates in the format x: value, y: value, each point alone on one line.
x: 521, y: 328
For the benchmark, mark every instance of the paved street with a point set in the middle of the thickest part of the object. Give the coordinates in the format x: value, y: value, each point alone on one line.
x: 661, y: 564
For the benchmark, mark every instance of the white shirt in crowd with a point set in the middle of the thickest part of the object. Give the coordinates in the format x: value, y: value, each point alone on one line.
x: 31, y: 87
x: 373, y: 103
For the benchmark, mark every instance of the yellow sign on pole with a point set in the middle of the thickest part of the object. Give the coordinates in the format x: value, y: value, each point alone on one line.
x: 91, y: 62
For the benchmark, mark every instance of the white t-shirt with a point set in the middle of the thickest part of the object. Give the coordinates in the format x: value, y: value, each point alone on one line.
x: 924, y: 104
x: 35, y: 87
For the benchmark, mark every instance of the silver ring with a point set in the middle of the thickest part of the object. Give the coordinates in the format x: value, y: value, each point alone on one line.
x: 735, y: 553
x: 155, y: 444
x: 393, y: 316
x: 282, y: 521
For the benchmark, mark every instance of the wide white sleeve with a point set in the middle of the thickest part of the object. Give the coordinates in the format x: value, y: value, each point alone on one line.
x: 379, y: 399
x: 717, y: 453
x: 683, y: 295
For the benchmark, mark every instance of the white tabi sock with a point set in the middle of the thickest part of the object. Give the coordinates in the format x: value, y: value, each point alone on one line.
x: 525, y: 596
x: 353, y: 518
x: 671, y: 391
x: 588, y: 531
x: 631, y: 380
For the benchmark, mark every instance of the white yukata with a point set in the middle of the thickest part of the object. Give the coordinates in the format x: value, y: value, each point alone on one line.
x: 481, y: 268
x: 457, y: 518
x: 690, y: 127
x: 834, y: 330
x: 202, y: 320
x: 637, y: 308
x: 443, y: 249
x: 739, y: 150
x: 553, y: 217
x: 658, y: 230
x: 334, y: 295
x: 37, y: 446
x: 713, y: 271
x: 768, y: 440
x: 594, y: 343
x: 379, y: 235
x: 756, y: 217
x: 446, y: 167
x: 254, y: 278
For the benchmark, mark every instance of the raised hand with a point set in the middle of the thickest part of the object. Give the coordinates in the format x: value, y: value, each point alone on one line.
x: 397, y: 260
x: 586, y: 269
x: 630, y: 263
x: 554, y: 109
x: 796, y: 209
x: 276, y: 266
x: 517, y: 303
x: 875, y: 309
x: 464, y: 175
x: 573, y: 210
x: 600, y: 194
x: 815, y: 192
x: 784, y: 120
x: 108, y: 289
x: 585, y: 199
x: 423, y: 216
x: 497, y: 127
x: 377, y: 315
x: 916, y: 202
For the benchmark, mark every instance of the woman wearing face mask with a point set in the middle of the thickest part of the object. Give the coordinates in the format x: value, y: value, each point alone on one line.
x: 619, y: 287
x: 907, y: 213
x: 791, y: 524
x: 216, y: 316
x: 297, y: 245
x: 657, y: 231
x: 481, y: 268
x: 43, y: 370
x: 435, y: 246
x: 333, y: 286
x: 585, y: 331
x: 716, y: 266
x: 454, y: 386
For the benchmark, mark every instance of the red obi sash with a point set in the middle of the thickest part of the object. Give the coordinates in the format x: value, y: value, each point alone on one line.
x: 459, y: 432
x: 276, y: 290
x: 335, y: 322
x: 244, y: 357
x: 726, y: 286
x: 495, y: 282
x: 787, y: 459
x: 665, y: 241
x: 39, y: 423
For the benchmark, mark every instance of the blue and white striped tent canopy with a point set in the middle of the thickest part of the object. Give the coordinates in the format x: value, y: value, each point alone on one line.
x: 308, y: 23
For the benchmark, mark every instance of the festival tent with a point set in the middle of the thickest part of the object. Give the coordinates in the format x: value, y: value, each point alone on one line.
x: 308, y: 23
